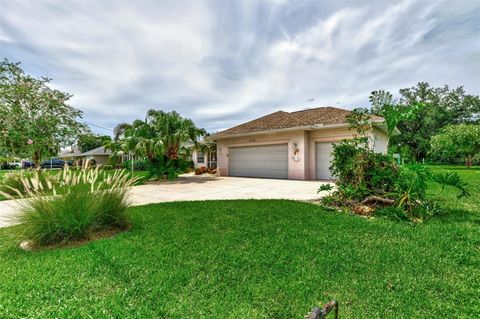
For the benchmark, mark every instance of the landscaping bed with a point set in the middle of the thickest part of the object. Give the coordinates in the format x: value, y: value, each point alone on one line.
x: 255, y: 259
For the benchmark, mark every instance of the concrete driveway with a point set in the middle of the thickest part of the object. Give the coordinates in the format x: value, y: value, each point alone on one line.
x: 204, y: 187
x: 191, y: 187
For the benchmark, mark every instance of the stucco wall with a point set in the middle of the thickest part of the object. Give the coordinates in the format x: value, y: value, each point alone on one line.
x: 99, y: 159
x: 305, y: 165
x: 380, y: 141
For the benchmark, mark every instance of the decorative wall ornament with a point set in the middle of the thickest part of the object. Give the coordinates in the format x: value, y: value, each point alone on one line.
x: 296, y: 153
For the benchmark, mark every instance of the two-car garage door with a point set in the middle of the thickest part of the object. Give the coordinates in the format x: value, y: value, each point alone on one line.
x: 269, y: 161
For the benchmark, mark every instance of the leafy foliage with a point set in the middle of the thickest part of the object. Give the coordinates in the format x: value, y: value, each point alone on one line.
x: 89, y: 141
x: 457, y: 141
x: 355, y: 166
x: 435, y: 109
x: 162, y: 138
x: 138, y: 165
x: 394, y: 113
x: 35, y: 120
x: 367, y: 181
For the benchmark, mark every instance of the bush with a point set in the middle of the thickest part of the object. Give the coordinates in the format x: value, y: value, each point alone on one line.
x: 140, y: 165
x: 361, y: 172
x: 369, y: 182
x: 107, y: 167
x: 81, y: 206
x: 200, y: 170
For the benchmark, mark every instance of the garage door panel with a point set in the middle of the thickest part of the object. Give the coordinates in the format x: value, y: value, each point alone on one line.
x: 269, y: 161
x: 323, y: 160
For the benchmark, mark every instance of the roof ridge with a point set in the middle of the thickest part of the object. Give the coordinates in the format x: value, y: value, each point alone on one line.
x: 298, y: 118
x: 320, y: 107
x: 256, y: 119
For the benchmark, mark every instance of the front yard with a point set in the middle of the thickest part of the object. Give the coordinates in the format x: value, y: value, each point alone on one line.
x: 255, y: 259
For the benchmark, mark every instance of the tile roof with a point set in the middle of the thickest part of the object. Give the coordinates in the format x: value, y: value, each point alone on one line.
x: 281, y: 120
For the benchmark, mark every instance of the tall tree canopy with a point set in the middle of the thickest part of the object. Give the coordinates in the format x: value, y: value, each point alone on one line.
x: 433, y: 109
x: 88, y: 141
x: 35, y: 120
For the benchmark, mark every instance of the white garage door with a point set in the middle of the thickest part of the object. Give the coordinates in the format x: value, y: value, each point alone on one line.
x: 323, y: 159
x: 269, y: 161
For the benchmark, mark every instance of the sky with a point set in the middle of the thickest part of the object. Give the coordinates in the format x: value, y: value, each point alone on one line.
x: 222, y: 63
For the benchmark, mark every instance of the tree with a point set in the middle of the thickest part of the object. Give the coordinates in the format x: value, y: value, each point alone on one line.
x: 440, y: 107
x: 35, y: 120
x: 88, y: 141
x: 161, y: 137
x: 457, y: 141
x: 384, y: 105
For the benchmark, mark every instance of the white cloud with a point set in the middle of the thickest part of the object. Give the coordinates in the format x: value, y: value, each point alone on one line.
x: 222, y: 63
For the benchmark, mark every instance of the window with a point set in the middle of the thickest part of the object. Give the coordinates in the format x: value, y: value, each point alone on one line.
x: 200, y: 158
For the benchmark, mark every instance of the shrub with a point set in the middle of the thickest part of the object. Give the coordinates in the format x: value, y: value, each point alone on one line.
x: 165, y: 169
x: 140, y: 165
x: 200, y: 170
x: 369, y: 182
x: 361, y: 172
x: 107, y: 167
x: 82, y: 205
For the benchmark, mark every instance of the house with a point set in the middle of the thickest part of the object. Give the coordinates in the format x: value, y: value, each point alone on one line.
x: 205, y: 154
x: 289, y: 145
x: 69, y: 154
x: 99, y: 155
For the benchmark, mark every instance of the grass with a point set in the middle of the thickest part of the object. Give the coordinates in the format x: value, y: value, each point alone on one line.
x: 142, y: 175
x: 255, y: 259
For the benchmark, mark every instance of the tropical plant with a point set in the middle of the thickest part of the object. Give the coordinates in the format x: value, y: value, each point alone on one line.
x: 84, y: 204
x: 384, y: 105
x: 457, y: 141
x: 162, y: 138
x: 35, y: 120
x: 138, y: 165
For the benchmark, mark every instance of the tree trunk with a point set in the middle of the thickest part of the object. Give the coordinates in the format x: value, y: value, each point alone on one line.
x: 37, y: 156
x: 172, y: 152
x: 468, y: 161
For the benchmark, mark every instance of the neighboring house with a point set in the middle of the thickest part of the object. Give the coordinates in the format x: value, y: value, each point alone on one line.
x: 100, y: 155
x: 69, y: 154
x: 289, y: 145
x: 200, y: 158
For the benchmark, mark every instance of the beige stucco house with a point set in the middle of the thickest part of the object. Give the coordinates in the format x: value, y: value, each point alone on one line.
x: 99, y: 155
x: 201, y: 159
x: 289, y: 145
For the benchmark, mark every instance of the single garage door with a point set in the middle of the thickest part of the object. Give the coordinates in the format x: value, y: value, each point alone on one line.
x: 323, y: 159
x: 269, y: 161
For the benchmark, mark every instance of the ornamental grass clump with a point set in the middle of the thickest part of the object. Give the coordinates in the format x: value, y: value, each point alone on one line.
x: 18, y: 184
x: 83, y: 205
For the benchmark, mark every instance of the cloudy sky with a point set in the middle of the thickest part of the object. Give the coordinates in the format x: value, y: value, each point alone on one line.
x: 224, y: 62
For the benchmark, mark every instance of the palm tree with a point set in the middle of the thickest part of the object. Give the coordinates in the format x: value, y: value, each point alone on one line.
x: 160, y: 136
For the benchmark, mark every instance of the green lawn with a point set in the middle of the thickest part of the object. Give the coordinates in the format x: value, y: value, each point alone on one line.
x: 255, y: 259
